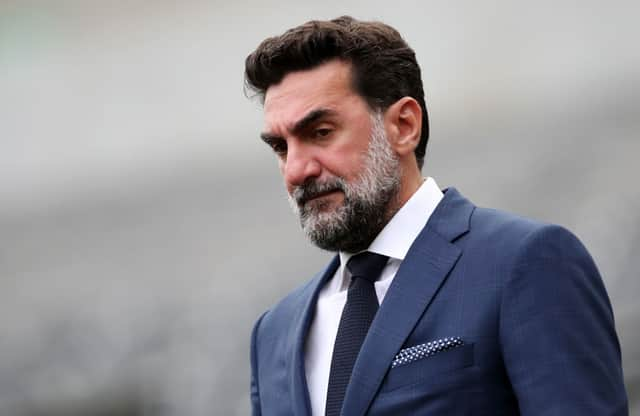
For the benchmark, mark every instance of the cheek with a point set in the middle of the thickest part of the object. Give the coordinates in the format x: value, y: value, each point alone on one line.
x: 347, y: 163
x: 353, y: 152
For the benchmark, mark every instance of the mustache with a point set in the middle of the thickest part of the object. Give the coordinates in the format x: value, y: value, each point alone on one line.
x: 312, y: 189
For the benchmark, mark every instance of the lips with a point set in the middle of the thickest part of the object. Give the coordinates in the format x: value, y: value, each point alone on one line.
x: 316, y: 195
x: 314, y: 190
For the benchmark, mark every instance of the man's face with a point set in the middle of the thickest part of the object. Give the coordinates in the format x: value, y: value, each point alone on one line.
x: 339, y: 170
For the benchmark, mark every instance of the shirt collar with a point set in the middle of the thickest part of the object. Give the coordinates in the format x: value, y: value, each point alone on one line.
x: 398, y: 235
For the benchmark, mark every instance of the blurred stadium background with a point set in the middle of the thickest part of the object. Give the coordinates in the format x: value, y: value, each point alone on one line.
x: 143, y: 226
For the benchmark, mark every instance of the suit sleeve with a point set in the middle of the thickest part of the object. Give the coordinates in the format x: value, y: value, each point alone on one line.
x: 557, y: 331
x: 255, y: 388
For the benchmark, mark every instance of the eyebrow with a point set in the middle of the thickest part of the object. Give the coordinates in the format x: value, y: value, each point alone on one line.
x: 300, y: 125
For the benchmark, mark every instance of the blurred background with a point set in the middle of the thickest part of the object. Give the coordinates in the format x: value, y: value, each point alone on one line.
x: 144, y: 227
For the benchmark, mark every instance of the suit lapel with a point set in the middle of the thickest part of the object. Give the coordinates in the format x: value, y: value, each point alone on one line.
x: 299, y: 390
x: 428, y: 262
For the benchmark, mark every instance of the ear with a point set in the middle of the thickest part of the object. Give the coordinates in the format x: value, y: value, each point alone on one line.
x: 403, y: 121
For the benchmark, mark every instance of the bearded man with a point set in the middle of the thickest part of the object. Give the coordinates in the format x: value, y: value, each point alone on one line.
x: 432, y: 306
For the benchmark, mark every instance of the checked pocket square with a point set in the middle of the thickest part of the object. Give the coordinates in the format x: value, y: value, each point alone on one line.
x: 418, y: 352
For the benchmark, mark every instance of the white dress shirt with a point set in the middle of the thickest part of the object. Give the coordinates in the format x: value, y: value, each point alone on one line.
x: 394, y: 241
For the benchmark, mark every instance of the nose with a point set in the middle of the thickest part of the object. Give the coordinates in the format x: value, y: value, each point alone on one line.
x: 300, y: 165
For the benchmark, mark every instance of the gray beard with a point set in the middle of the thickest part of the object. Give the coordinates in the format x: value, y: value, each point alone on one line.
x: 369, y: 202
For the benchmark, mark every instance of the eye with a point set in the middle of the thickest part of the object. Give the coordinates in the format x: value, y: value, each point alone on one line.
x: 279, y: 147
x: 323, y: 132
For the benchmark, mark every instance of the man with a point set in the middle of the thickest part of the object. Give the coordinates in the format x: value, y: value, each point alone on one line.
x: 432, y: 306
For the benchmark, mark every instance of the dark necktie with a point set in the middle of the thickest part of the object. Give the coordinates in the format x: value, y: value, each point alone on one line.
x: 358, y: 312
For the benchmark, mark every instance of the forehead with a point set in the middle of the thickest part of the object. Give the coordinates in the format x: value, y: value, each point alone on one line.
x: 325, y: 86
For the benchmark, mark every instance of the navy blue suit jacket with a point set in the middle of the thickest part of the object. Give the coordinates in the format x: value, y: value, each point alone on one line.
x: 525, y: 297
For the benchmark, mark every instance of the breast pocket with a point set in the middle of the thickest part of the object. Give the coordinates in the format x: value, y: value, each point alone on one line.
x: 432, y: 368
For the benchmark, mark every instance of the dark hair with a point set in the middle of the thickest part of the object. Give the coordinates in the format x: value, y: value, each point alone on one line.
x: 384, y: 67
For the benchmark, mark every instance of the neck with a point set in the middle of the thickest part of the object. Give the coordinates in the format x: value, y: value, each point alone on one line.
x: 408, y: 186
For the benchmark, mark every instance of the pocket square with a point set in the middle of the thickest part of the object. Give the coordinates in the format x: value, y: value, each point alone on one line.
x: 418, y: 352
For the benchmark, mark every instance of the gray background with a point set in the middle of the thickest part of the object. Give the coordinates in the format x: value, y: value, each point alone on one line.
x: 143, y: 226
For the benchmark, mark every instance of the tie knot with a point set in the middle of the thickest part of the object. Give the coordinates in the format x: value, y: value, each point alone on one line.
x: 367, y: 265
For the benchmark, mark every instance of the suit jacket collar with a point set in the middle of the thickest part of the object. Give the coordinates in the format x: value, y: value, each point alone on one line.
x: 452, y: 217
x: 298, y: 382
